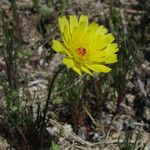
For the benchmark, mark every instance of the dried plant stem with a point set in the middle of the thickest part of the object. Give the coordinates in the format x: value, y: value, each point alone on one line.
x: 90, y: 116
x: 100, y: 127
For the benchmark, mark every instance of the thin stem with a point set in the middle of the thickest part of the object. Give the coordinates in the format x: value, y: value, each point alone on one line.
x: 70, y: 86
x: 51, y: 84
x: 45, y: 110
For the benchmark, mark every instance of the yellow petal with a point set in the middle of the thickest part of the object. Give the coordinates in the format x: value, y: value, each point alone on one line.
x: 112, y: 48
x: 107, y: 39
x: 69, y: 62
x: 58, y: 47
x: 66, y: 36
x: 73, y: 22
x: 78, y: 35
x: 93, y: 27
x: 101, y: 31
x: 77, y: 69
x: 98, y: 68
x: 111, y: 58
x: 90, y: 34
x: 62, y: 21
x: 86, y: 70
x: 83, y: 18
x: 101, y: 42
x: 97, y: 56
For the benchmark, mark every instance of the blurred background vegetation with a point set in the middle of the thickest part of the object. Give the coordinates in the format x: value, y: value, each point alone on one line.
x: 43, y: 105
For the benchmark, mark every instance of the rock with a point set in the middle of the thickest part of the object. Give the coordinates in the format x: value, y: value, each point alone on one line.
x: 130, y: 98
x: 4, y: 144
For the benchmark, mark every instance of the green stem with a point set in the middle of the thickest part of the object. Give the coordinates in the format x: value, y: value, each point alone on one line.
x: 45, y: 110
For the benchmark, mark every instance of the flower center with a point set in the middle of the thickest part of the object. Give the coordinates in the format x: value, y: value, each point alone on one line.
x: 81, y: 51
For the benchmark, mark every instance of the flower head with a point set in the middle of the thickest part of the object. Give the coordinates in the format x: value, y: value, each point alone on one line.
x: 87, y: 47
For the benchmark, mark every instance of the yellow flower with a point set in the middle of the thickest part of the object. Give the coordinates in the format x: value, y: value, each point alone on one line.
x: 87, y: 47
